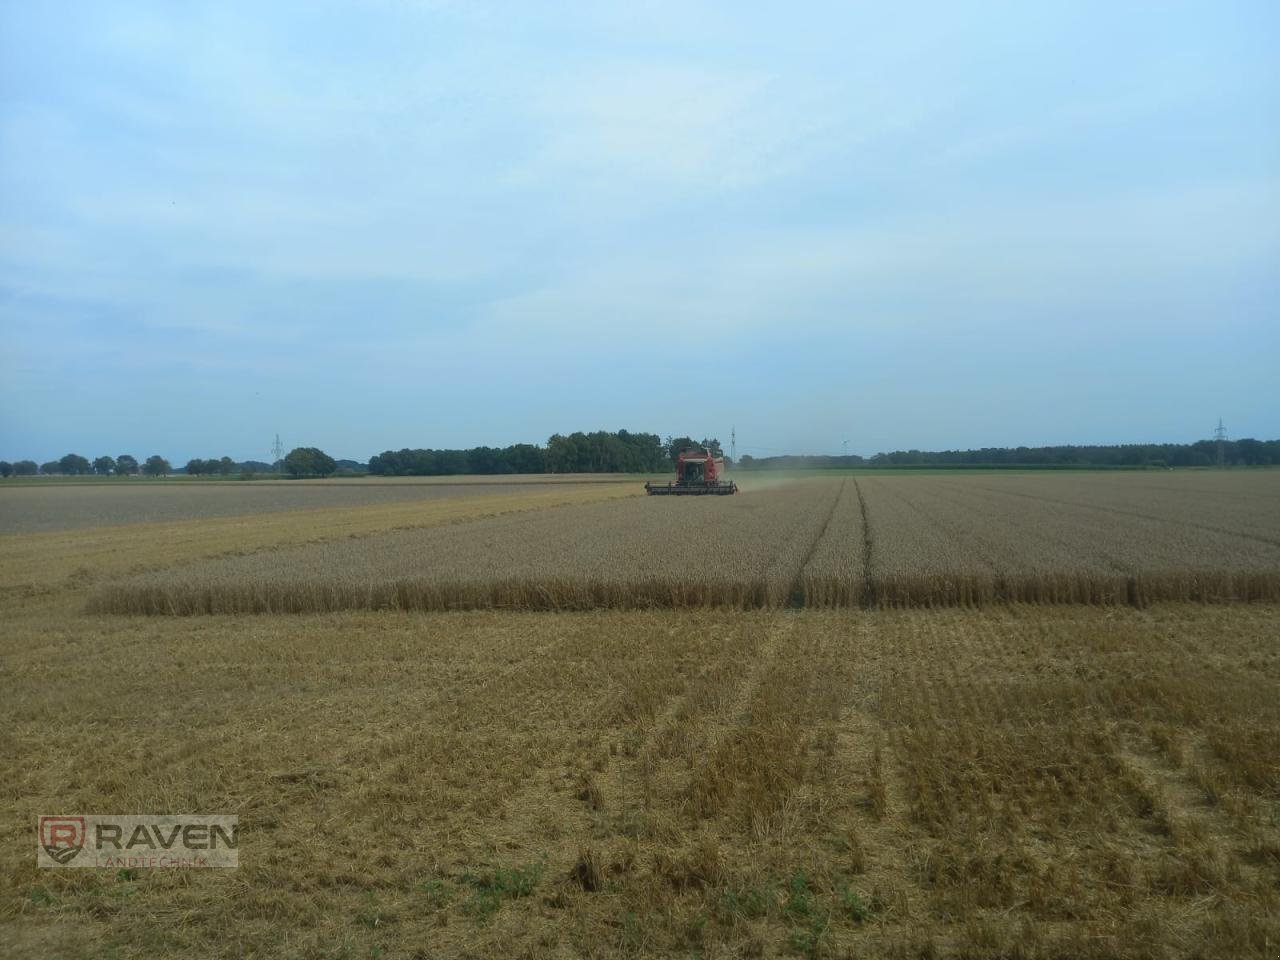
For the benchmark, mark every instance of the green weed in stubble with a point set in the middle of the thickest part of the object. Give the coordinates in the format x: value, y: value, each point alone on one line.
x: 492, y: 887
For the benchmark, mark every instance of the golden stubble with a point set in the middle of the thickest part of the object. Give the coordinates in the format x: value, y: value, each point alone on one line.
x: 990, y: 782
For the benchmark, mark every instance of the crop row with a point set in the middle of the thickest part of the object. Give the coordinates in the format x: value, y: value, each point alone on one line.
x: 836, y: 542
x: 744, y: 551
x: 942, y: 541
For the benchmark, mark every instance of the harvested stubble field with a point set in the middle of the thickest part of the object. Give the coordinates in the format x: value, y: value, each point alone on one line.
x: 48, y: 505
x: 868, y: 541
x: 1017, y: 780
x: 1038, y: 782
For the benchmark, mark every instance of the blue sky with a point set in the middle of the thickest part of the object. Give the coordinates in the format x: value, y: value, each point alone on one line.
x: 391, y: 224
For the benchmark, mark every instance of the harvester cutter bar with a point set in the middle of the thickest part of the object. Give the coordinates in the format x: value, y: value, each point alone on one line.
x: 691, y: 489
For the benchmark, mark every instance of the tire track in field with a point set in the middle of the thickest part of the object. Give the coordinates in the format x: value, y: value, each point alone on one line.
x: 774, y: 742
x: 868, y: 599
x: 719, y: 724
x: 873, y: 804
x: 881, y: 586
x: 796, y: 597
x: 1181, y: 812
x: 649, y: 780
x: 877, y: 812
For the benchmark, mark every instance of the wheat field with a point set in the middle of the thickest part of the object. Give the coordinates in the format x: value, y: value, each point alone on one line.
x: 822, y: 774
x: 846, y: 541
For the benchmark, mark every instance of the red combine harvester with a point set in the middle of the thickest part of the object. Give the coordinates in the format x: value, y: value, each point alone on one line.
x: 697, y: 472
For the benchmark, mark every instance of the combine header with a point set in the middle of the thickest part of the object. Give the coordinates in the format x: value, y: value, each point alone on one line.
x: 697, y: 472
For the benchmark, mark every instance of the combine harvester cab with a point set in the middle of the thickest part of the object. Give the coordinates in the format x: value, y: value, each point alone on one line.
x: 698, y: 472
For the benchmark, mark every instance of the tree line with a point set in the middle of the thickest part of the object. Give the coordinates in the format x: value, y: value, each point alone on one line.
x: 301, y: 462
x: 74, y: 465
x: 626, y: 452
x: 599, y: 452
x: 1203, y: 453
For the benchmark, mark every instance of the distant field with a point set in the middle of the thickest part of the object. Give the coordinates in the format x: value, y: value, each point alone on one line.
x: 857, y: 541
x: 69, y: 503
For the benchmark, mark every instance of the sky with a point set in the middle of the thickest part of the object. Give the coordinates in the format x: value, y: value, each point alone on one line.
x: 367, y: 226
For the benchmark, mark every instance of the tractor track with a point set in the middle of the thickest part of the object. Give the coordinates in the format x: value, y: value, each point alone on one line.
x: 868, y: 599
x: 796, y: 597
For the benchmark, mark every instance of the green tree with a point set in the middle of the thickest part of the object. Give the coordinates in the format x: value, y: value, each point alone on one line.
x: 195, y: 467
x: 104, y: 466
x: 50, y: 467
x: 226, y: 466
x: 309, y: 462
x: 74, y: 465
x: 675, y: 445
x: 156, y: 466
x: 6, y: 468
x: 126, y: 465
x: 1253, y: 452
x: 25, y: 468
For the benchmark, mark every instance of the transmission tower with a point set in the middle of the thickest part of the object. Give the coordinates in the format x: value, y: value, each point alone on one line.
x: 1220, y: 434
x: 846, y: 448
x: 277, y: 451
x: 733, y: 445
